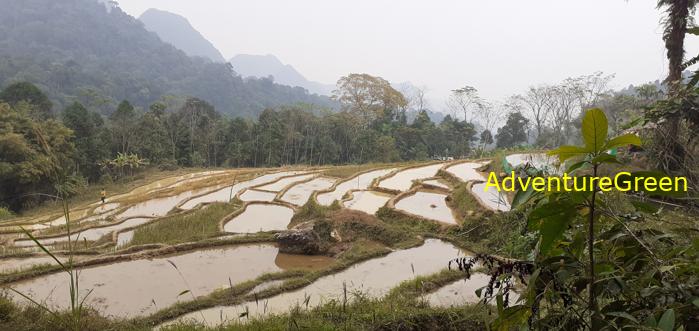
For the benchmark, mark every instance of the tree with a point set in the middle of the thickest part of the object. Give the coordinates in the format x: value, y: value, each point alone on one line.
x: 29, y: 93
x: 486, y: 138
x: 31, y: 152
x: 513, y: 132
x: 371, y: 97
x: 463, y: 100
x: 537, y: 103
x: 123, y: 121
x: 670, y: 151
x: 88, y: 137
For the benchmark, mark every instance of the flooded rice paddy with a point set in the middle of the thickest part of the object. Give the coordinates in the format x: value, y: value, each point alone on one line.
x: 466, y: 171
x: 403, y: 180
x: 459, y: 292
x: 227, y: 193
x: 491, y: 199
x: 360, y: 182
x: 143, y: 286
x: 92, y: 234
x: 260, y: 217
x: 367, y: 201
x: 139, y: 287
x: 373, y: 278
x: 429, y: 205
x: 540, y: 161
x: 298, y: 194
x: 255, y: 195
x: 283, y: 183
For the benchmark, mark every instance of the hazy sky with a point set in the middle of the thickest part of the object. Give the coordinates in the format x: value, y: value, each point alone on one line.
x: 499, y: 47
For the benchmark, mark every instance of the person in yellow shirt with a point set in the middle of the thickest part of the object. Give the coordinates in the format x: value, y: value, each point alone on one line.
x: 104, y: 195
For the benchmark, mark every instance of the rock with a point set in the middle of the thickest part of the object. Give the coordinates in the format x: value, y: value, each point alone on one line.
x: 309, y: 238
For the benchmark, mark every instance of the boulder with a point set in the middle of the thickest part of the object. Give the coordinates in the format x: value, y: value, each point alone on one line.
x: 309, y: 238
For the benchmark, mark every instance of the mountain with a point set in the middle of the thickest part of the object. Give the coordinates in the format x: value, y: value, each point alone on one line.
x: 83, y: 50
x: 176, y: 30
x: 269, y: 65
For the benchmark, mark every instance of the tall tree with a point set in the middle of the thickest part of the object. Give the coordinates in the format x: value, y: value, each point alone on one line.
x: 29, y: 93
x: 513, y: 132
x: 671, y: 151
x: 123, y: 121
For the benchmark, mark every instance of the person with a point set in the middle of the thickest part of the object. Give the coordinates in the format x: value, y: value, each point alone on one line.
x: 104, y: 195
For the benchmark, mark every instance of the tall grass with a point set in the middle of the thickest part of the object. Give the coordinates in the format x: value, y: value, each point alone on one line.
x: 200, y: 224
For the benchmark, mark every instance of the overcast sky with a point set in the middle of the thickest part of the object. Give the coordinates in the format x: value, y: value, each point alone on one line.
x: 499, y: 47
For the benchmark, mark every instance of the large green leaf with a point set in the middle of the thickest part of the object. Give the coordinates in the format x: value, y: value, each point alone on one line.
x: 551, y: 219
x: 623, y: 140
x: 566, y: 152
x: 594, y: 129
x: 667, y: 321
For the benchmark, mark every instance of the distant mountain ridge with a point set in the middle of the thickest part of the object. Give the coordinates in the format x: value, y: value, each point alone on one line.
x: 177, y: 31
x: 261, y: 66
x: 83, y: 50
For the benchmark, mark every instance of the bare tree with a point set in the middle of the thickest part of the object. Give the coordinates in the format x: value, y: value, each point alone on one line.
x: 537, y: 105
x: 464, y: 100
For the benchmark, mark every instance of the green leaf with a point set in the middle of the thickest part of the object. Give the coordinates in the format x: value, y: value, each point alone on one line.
x: 575, y: 166
x: 551, y: 220
x: 667, y: 321
x: 694, y: 31
x: 623, y: 315
x: 522, y: 196
x: 623, y: 140
x: 645, y: 207
x: 605, y: 158
x: 695, y: 302
x: 594, y: 129
x: 566, y: 152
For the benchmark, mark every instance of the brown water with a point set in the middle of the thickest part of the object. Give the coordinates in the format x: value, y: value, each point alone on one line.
x: 367, y: 201
x: 129, y: 288
x: 428, y: 205
x: 299, y: 193
x: 403, y: 180
x: 161, y: 206
x: 373, y: 278
x: 260, y: 217
x: 226, y: 193
x: 89, y: 234
x: 458, y: 293
x: 436, y: 182
x: 491, y: 199
x: 467, y: 171
x: 360, y: 182
x: 284, y: 182
x: 255, y: 195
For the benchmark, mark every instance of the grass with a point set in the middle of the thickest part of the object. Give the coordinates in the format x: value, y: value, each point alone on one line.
x: 401, y: 309
x: 197, y: 225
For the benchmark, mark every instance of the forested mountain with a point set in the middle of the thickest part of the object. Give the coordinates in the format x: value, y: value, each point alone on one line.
x: 80, y: 50
x: 269, y: 65
x: 176, y: 30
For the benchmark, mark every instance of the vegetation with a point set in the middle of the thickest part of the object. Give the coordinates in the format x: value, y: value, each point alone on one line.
x: 200, y: 224
x: 596, y: 265
x: 118, y: 59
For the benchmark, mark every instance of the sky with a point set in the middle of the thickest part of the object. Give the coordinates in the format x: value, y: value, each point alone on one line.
x: 499, y: 47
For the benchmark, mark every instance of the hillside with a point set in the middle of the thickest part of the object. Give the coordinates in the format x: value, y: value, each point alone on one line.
x: 78, y: 49
x: 177, y: 31
x: 269, y: 65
